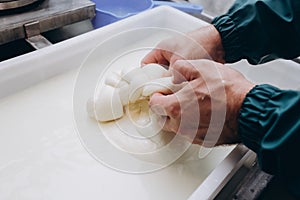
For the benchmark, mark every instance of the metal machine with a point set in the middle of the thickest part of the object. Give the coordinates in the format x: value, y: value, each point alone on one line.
x: 27, y: 19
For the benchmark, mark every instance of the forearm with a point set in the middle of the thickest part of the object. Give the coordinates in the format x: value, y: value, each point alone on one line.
x: 260, y: 30
x: 269, y: 124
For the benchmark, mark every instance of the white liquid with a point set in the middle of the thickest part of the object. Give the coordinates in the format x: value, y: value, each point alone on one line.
x: 41, y: 156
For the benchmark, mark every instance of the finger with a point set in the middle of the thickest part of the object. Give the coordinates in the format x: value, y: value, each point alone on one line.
x: 157, y: 104
x: 170, y: 125
x: 207, y: 67
x: 165, y: 105
x: 159, y: 110
x: 164, y: 122
x: 156, y: 56
x: 183, y: 70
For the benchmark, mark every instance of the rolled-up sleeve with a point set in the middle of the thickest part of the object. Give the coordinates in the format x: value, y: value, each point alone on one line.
x: 260, y: 30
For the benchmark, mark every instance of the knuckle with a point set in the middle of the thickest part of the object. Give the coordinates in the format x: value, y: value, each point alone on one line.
x: 178, y: 64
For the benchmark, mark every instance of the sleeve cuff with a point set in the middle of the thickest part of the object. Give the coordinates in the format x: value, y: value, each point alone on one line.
x: 230, y: 38
x: 252, y: 114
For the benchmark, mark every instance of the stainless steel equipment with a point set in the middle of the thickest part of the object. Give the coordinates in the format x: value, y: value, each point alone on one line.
x: 19, y: 22
x: 11, y: 4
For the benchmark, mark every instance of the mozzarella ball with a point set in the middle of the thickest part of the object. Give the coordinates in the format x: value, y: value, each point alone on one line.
x: 107, y: 106
x: 154, y: 71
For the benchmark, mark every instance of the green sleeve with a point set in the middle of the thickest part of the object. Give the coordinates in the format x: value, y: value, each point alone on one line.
x: 269, y: 124
x: 260, y: 30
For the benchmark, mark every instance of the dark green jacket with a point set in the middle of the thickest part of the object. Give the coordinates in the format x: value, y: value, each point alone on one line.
x: 269, y: 121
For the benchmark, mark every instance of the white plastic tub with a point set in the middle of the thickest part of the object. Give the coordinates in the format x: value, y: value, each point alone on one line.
x: 41, y: 156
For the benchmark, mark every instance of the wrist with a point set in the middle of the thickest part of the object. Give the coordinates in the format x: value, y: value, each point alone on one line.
x: 235, y: 102
x: 215, y: 46
x: 209, y: 39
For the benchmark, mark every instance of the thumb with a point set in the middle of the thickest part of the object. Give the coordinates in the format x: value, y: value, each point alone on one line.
x: 183, y: 70
x: 158, y: 103
x: 163, y: 105
x: 155, y: 56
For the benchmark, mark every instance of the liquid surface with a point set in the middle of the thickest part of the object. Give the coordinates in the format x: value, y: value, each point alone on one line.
x: 42, y: 156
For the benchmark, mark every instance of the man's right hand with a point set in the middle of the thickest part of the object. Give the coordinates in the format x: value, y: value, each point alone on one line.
x: 206, y: 110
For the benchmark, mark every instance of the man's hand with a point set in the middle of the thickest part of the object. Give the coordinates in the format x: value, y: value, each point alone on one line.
x: 206, y: 109
x: 201, y: 43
